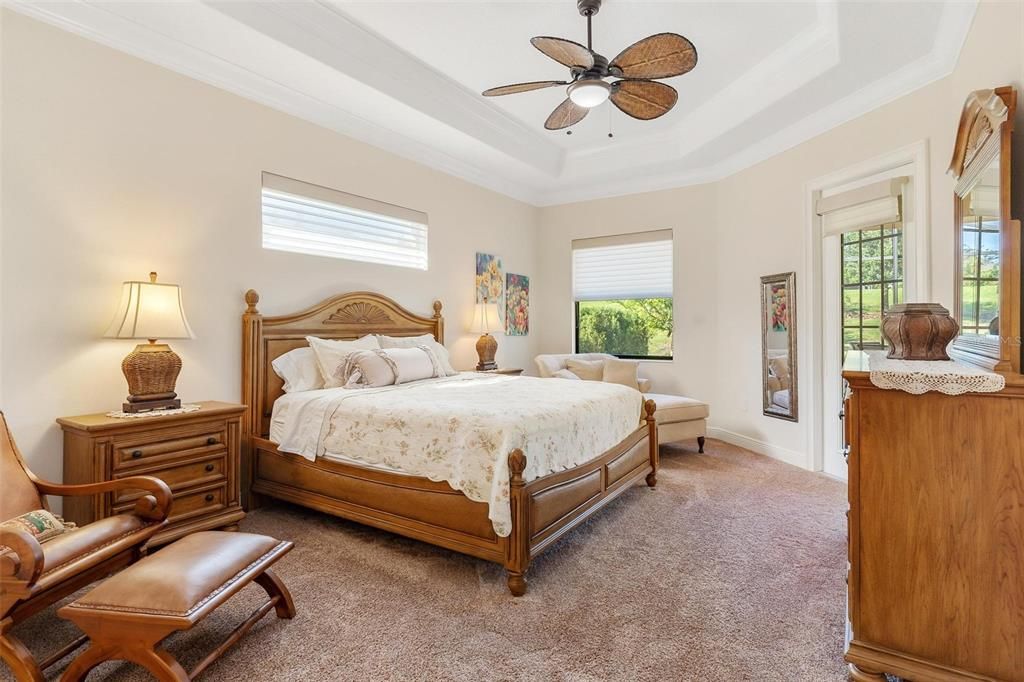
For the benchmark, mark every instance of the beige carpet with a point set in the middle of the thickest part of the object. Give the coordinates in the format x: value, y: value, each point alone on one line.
x: 733, y: 569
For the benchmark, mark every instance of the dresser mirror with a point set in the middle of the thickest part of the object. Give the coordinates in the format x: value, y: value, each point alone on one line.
x: 778, y: 346
x: 987, y: 286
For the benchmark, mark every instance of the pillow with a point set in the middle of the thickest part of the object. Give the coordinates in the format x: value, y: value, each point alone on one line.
x: 298, y: 369
x: 388, y: 366
x: 427, y: 340
x: 591, y: 370
x: 40, y: 524
x: 565, y: 374
x: 330, y: 355
x: 623, y: 372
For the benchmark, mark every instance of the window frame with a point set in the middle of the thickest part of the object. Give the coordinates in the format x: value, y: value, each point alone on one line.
x: 576, y: 335
x: 886, y: 231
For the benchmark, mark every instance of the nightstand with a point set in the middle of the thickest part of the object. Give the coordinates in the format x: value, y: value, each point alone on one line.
x: 196, y: 453
x: 511, y: 371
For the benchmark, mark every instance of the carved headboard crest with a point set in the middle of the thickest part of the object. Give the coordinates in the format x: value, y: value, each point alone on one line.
x: 359, y: 313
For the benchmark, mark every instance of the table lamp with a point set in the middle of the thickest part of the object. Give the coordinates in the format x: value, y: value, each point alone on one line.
x: 150, y: 310
x: 485, y: 321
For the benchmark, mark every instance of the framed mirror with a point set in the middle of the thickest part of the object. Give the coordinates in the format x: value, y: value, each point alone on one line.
x: 987, y: 262
x: 778, y: 346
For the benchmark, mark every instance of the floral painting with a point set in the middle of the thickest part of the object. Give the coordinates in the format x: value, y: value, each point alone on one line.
x: 489, y: 279
x: 517, y: 305
x: 780, y: 308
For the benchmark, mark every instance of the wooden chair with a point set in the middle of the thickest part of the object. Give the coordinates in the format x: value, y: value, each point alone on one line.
x: 34, y: 575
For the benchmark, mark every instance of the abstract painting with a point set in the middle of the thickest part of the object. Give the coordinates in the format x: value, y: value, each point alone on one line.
x: 489, y: 279
x: 517, y: 305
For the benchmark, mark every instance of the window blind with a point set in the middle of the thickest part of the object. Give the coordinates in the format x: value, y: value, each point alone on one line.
x: 862, y: 208
x: 305, y: 218
x: 623, y: 267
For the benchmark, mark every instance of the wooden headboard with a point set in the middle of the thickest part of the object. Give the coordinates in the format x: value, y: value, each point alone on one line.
x: 346, y: 316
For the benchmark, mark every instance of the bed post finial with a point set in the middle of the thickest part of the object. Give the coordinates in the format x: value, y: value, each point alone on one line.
x: 251, y: 299
x: 437, y: 309
x: 649, y: 409
x: 516, y: 466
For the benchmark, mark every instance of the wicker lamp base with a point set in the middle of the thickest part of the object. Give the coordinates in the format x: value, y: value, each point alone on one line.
x: 151, y: 371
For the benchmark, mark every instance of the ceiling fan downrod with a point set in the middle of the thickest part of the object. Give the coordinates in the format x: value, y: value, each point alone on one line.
x: 588, y: 8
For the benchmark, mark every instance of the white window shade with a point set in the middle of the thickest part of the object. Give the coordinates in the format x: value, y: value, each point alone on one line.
x: 626, y: 267
x: 862, y: 208
x: 304, y: 218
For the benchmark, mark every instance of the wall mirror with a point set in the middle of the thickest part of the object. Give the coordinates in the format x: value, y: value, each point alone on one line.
x: 778, y: 346
x: 987, y: 286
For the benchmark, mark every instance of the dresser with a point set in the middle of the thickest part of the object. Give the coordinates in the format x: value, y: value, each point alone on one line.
x: 196, y: 453
x: 936, y: 532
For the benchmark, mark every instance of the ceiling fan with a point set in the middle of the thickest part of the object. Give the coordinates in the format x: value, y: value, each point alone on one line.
x: 636, y: 93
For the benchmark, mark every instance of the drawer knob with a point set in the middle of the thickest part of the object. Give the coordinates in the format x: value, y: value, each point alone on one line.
x: 209, y: 497
x: 209, y: 467
x: 136, y: 454
x: 211, y: 440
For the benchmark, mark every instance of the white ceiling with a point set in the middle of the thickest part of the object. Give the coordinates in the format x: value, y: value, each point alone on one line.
x: 406, y: 76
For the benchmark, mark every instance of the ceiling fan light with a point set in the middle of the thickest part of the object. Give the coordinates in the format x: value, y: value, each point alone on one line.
x: 589, y: 93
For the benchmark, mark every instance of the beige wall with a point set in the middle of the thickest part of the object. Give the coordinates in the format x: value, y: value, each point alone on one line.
x: 114, y: 167
x: 753, y: 223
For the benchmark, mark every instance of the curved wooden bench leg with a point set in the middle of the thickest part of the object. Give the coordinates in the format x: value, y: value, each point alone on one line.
x: 516, y: 583
x: 157, y: 661
x: 86, y: 661
x: 19, y: 659
x: 275, y: 587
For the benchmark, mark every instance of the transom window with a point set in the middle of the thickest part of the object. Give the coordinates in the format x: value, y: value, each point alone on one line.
x: 622, y: 289
x: 304, y: 218
x: 872, y: 282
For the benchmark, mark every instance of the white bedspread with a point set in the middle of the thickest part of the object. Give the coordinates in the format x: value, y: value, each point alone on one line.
x: 461, y: 429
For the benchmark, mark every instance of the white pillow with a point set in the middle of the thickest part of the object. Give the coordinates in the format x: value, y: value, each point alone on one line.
x: 590, y: 370
x: 623, y: 372
x: 565, y: 374
x: 388, y: 366
x: 330, y: 355
x: 427, y: 340
x: 299, y: 371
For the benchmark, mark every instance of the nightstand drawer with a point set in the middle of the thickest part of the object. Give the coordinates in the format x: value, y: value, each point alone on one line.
x: 189, y: 504
x: 135, y: 453
x: 177, y: 476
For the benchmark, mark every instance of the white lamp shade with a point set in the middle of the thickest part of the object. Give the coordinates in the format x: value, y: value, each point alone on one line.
x: 485, y: 318
x: 150, y: 311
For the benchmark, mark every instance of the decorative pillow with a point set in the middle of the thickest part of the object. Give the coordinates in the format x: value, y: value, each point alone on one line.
x: 427, y: 340
x: 388, y: 366
x: 591, y: 370
x: 330, y: 355
x: 623, y: 372
x: 40, y: 524
x: 299, y: 371
x: 565, y: 374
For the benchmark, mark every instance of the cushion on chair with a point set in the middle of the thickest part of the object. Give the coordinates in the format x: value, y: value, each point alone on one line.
x: 675, y: 408
x: 40, y: 524
x: 565, y: 374
x: 590, y: 370
x: 621, y: 372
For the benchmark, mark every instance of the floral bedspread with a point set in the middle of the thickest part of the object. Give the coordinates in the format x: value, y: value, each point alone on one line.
x: 461, y: 429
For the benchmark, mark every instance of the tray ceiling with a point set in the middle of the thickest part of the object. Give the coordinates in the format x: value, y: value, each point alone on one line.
x: 406, y: 76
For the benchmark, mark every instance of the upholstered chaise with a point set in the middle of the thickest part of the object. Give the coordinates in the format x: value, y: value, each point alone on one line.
x: 678, y: 418
x: 34, y: 575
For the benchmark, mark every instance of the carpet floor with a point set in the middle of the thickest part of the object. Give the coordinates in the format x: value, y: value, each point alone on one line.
x: 732, y: 569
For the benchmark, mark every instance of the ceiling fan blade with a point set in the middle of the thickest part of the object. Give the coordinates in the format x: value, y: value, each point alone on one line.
x: 566, y: 114
x: 521, y: 87
x: 564, y: 51
x: 662, y: 55
x: 643, y: 99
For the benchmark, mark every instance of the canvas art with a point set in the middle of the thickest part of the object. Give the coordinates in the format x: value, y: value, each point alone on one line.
x: 489, y: 279
x: 517, y: 305
x: 780, y: 309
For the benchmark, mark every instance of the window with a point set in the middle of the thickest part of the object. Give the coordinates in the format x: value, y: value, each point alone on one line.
x: 979, y: 308
x: 872, y: 282
x: 304, y: 218
x: 622, y: 288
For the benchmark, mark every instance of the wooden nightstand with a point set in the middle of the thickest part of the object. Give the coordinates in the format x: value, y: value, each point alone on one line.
x: 196, y: 453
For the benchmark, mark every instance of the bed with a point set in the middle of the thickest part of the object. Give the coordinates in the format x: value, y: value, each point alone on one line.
x: 534, y: 501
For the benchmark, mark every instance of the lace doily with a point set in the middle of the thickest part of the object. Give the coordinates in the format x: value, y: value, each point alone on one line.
x: 155, y: 413
x: 922, y: 376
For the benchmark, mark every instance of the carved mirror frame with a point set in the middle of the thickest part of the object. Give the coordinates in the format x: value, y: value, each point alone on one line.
x: 984, y: 134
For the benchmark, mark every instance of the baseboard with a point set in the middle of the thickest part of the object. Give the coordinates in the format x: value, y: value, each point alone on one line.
x: 788, y: 456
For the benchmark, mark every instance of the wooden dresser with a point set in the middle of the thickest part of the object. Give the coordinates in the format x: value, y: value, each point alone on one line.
x: 196, y: 453
x: 936, y: 532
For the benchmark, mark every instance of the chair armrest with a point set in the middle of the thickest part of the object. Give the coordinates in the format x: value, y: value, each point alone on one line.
x: 156, y: 506
x: 24, y: 563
